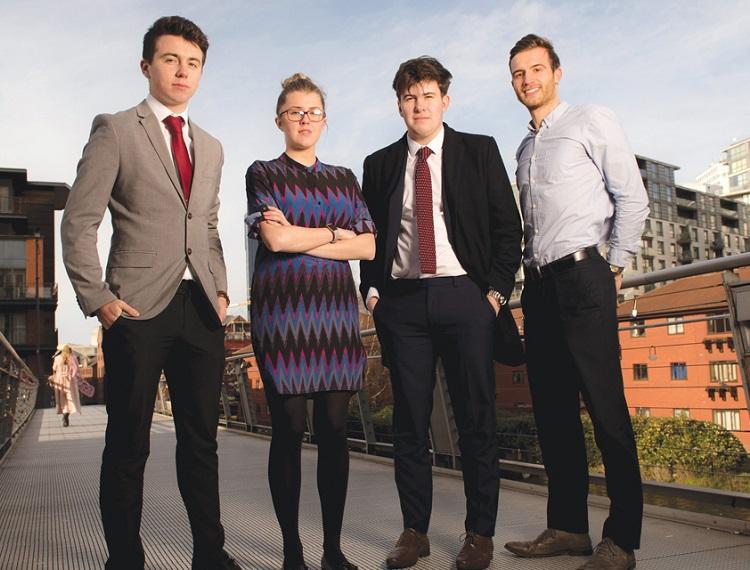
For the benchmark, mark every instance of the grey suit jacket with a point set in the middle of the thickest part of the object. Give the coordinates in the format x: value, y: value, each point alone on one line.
x: 127, y: 168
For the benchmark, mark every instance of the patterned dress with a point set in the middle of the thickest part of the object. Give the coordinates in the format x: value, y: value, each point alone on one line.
x: 304, y: 312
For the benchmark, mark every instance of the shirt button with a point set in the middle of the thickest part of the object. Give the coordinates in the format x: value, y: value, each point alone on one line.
x: 536, y: 231
x: 189, y: 251
x: 190, y: 215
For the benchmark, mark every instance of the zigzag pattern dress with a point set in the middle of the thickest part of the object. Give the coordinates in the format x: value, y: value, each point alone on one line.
x: 304, y: 313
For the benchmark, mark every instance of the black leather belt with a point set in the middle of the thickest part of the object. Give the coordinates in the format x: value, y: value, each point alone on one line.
x: 533, y: 271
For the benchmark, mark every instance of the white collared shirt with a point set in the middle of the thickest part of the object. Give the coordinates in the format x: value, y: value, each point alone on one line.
x: 161, y: 112
x: 406, y: 259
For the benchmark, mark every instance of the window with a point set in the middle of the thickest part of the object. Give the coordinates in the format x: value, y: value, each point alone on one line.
x: 671, y: 230
x: 643, y: 412
x: 517, y: 377
x: 682, y: 413
x: 659, y: 229
x: 638, y: 329
x: 675, y: 325
x: 679, y: 370
x: 725, y: 371
x: 662, y: 264
x: 660, y: 247
x: 640, y: 371
x: 719, y: 325
x: 728, y: 419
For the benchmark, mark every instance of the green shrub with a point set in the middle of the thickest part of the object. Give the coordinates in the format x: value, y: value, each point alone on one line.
x: 684, y: 444
x: 383, y: 416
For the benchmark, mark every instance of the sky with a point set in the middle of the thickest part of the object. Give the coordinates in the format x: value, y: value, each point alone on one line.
x: 675, y: 73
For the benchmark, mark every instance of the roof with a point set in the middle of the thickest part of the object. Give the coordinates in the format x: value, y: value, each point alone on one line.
x: 689, y: 295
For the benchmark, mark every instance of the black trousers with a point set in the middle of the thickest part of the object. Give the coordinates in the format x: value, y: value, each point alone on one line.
x: 572, y: 348
x: 417, y: 321
x: 185, y: 340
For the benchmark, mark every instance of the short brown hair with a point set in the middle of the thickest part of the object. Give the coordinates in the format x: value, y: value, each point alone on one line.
x: 298, y: 82
x: 173, y: 26
x: 424, y: 68
x: 531, y: 41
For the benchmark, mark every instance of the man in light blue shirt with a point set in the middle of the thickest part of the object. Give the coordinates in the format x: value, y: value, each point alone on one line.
x: 581, y: 195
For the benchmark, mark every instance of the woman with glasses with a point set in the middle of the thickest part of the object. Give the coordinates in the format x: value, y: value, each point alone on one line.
x: 310, y: 219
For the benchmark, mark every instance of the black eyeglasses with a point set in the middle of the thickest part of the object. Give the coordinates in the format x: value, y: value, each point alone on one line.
x: 296, y: 115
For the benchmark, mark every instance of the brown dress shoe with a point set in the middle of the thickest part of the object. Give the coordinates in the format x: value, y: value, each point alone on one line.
x: 410, y: 547
x: 609, y: 556
x: 476, y: 553
x: 552, y: 542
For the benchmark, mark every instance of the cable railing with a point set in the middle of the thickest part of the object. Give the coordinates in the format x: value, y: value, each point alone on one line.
x: 18, y: 388
x: 243, y: 407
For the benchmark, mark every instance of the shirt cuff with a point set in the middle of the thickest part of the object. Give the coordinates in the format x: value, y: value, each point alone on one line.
x: 618, y: 257
x: 371, y: 292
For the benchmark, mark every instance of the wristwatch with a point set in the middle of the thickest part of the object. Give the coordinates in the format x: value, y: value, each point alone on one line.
x: 498, y: 296
x: 616, y: 269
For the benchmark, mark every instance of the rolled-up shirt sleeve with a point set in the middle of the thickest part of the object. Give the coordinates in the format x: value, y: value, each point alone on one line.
x: 610, y: 151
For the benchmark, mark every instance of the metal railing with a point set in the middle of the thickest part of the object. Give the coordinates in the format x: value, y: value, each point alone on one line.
x: 243, y: 407
x: 18, y: 388
x: 47, y: 291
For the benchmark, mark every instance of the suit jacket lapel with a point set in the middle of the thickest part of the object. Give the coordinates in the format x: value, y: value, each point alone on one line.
x: 452, y: 157
x: 153, y: 132
x: 394, y: 197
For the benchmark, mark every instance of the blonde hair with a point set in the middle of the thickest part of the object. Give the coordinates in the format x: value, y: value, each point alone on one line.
x: 66, y: 352
x: 298, y: 82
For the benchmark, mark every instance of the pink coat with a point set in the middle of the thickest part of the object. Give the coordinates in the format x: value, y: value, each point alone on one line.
x: 64, y: 380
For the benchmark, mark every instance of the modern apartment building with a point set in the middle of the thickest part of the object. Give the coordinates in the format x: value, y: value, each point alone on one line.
x: 730, y: 176
x: 28, y: 293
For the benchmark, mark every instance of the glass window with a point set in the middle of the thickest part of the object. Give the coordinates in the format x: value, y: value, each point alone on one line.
x: 679, y: 370
x: 638, y: 330
x: 517, y: 377
x: 659, y: 229
x: 682, y: 413
x: 728, y: 419
x: 722, y: 372
x: 675, y: 325
x: 719, y: 325
x: 643, y: 412
x: 640, y: 371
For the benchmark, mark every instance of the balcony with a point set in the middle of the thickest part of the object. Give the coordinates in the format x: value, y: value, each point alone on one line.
x: 11, y: 207
x: 47, y: 293
x: 684, y: 202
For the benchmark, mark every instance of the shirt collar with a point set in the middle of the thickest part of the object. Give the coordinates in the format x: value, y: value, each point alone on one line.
x: 161, y: 111
x: 436, y: 144
x: 550, y: 119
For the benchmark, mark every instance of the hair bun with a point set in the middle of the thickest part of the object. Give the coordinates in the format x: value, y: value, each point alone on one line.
x: 289, y: 81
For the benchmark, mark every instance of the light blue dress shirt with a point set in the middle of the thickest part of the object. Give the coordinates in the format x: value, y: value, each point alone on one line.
x: 580, y: 186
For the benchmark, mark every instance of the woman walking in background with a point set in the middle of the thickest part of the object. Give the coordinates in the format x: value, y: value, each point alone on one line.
x: 64, y: 381
x: 311, y: 220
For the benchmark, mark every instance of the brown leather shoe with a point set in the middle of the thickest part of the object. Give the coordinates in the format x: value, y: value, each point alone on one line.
x: 476, y: 553
x: 609, y: 556
x: 410, y: 547
x: 552, y: 542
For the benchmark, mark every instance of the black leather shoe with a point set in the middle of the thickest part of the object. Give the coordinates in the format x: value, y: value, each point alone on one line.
x: 341, y: 564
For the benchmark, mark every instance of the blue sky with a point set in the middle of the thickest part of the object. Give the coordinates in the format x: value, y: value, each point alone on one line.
x: 676, y: 73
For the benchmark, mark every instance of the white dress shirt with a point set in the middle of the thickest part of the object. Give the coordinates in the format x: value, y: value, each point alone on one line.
x: 162, y: 112
x: 406, y: 259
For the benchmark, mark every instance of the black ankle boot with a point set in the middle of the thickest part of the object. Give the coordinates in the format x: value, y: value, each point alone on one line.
x: 340, y: 563
x: 66, y: 420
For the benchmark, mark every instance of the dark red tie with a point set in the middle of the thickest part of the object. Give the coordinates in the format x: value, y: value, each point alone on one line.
x: 425, y: 227
x: 180, y: 153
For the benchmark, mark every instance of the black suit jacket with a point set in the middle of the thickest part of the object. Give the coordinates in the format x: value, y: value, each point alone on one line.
x: 481, y: 215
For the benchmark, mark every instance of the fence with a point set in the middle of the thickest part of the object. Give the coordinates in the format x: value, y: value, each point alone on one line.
x: 18, y: 388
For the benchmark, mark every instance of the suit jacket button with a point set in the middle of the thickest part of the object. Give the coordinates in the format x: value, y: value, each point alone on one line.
x: 189, y: 251
x: 190, y: 215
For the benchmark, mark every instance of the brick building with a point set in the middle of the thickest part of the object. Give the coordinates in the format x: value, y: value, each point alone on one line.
x: 28, y: 293
x: 689, y: 367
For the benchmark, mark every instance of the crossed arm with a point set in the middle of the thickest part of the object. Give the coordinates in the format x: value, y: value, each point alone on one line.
x: 279, y: 235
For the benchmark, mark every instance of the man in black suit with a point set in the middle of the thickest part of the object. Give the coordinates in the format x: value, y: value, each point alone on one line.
x: 448, y: 247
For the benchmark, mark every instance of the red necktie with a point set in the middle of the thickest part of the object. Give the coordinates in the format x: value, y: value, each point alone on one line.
x: 180, y: 153
x: 425, y: 227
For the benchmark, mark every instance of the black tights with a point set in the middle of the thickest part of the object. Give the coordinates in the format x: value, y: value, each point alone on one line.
x: 288, y: 416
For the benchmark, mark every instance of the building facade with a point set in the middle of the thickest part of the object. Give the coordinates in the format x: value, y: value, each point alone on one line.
x: 687, y: 367
x: 730, y: 176
x: 28, y: 293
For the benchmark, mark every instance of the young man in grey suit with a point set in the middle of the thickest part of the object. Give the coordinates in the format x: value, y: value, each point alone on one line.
x: 162, y: 300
